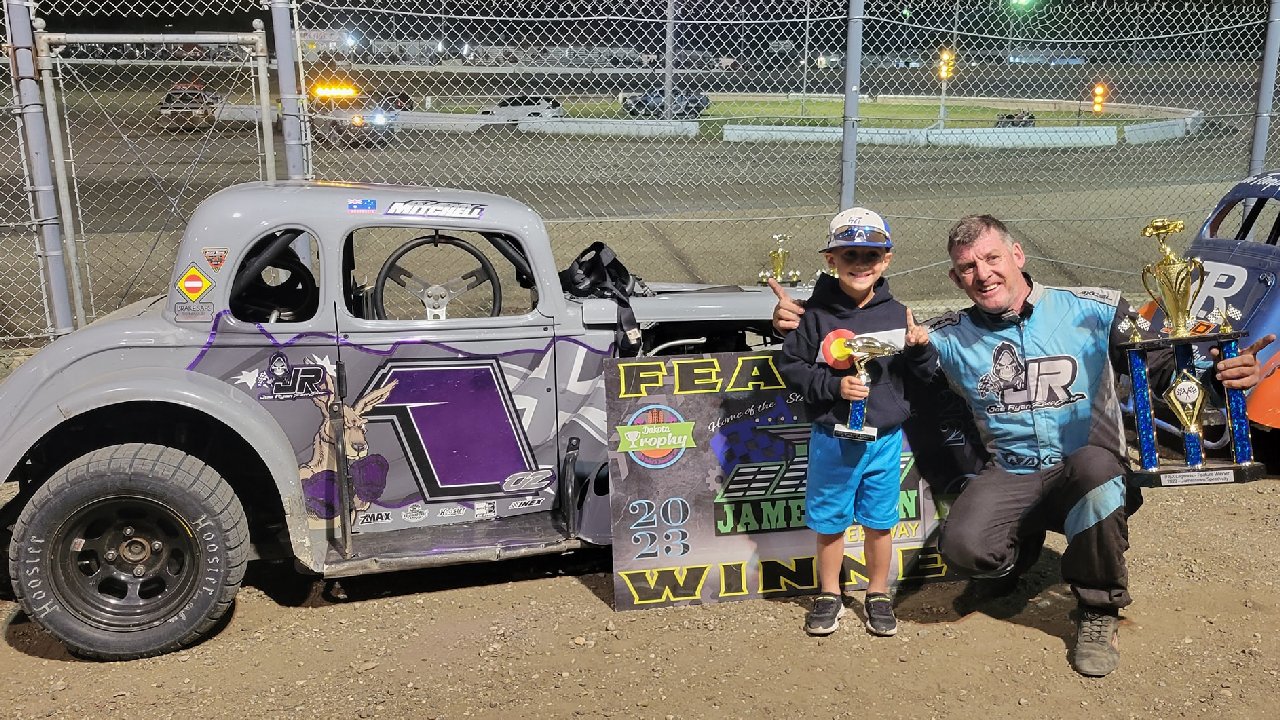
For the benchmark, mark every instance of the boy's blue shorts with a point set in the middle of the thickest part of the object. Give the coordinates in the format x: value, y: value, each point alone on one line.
x: 852, y: 482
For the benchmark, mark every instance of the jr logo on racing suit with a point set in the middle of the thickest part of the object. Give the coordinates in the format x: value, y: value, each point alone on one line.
x: 1043, y: 382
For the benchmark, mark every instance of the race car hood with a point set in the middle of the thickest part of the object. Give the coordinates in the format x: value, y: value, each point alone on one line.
x: 675, y: 302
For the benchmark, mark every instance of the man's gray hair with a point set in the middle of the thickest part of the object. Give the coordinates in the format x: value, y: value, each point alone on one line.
x: 970, y: 227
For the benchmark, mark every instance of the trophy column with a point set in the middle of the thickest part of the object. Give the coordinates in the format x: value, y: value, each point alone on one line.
x: 1237, y: 416
x: 1143, y: 414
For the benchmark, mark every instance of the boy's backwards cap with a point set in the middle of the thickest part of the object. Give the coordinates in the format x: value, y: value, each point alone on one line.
x: 858, y: 227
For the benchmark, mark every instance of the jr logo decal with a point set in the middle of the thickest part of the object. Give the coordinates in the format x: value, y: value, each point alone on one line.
x: 1043, y: 382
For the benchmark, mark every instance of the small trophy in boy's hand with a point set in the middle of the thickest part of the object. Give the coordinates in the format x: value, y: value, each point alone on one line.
x: 842, y: 349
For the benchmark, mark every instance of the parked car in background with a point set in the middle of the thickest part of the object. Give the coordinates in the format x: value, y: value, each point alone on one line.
x: 189, y: 106
x: 652, y: 104
x: 523, y: 107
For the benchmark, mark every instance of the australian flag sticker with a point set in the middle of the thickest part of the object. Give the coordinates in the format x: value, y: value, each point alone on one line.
x: 362, y: 205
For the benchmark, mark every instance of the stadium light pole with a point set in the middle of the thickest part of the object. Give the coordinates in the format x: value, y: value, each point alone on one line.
x: 947, y: 65
x: 804, y: 61
x: 1019, y: 6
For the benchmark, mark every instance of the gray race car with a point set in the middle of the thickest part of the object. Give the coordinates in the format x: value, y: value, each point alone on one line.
x: 363, y: 378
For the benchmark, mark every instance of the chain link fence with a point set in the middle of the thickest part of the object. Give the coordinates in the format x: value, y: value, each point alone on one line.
x: 750, y: 145
x: 1177, y: 91
x: 26, y: 319
x: 151, y: 129
x: 687, y: 134
x: 565, y: 106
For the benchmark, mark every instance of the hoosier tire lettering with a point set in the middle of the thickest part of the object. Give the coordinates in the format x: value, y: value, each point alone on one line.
x: 130, y: 551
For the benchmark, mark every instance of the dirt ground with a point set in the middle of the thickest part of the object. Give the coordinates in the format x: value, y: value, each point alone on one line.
x: 538, y: 638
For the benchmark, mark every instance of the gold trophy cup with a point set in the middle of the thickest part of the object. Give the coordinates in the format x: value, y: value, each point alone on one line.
x: 777, y: 269
x: 859, y: 350
x: 1174, y: 283
x: 1173, y: 278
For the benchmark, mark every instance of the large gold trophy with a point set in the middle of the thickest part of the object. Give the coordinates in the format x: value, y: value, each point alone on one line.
x: 1174, y: 283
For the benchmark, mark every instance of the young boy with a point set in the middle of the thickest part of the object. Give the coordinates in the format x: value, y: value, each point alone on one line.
x: 854, y: 481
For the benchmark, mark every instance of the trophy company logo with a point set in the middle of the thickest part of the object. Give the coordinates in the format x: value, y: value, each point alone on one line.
x: 1043, y: 382
x: 655, y: 436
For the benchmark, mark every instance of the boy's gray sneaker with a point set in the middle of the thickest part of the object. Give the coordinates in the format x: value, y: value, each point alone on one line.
x: 1097, y: 650
x: 824, y: 618
x: 880, y: 619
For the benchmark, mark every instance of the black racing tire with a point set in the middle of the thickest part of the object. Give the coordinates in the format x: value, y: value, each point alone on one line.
x: 130, y: 551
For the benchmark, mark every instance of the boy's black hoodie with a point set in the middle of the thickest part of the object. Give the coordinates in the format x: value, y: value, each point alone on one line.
x: 829, y: 308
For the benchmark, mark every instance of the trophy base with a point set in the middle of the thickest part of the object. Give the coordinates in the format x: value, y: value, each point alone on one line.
x: 1208, y: 474
x: 866, y: 433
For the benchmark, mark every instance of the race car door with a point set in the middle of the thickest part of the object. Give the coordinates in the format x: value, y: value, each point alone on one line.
x: 450, y: 374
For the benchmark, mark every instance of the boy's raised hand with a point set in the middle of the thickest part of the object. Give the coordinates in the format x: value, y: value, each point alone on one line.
x: 916, y: 334
x: 852, y: 388
x: 786, y: 314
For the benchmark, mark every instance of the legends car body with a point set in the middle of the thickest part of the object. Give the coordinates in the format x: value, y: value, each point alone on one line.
x: 652, y: 104
x: 189, y: 106
x: 524, y: 107
x: 362, y: 378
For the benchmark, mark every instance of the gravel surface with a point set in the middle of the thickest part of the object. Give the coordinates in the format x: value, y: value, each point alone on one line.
x: 538, y: 638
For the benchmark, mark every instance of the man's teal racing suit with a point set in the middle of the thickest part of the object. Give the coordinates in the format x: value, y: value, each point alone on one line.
x: 1041, y: 388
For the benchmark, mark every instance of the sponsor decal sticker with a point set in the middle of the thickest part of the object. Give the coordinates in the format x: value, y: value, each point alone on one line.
x: 486, y: 510
x: 452, y: 511
x: 655, y: 436
x: 437, y: 208
x: 194, y: 284
x: 281, y: 380
x: 374, y: 518
x: 362, y: 205
x: 414, y: 513
x: 193, y: 312
x: 526, y: 503
x: 215, y: 256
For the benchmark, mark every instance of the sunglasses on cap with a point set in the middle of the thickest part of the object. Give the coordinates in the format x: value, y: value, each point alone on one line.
x: 860, y: 234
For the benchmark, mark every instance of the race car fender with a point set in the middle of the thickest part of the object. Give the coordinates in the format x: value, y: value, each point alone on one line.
x: 1264, y: 400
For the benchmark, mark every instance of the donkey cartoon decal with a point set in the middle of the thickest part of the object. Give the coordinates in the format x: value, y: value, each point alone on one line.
x: 368, y: 472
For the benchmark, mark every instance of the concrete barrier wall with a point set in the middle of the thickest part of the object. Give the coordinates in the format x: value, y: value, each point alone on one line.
x: 624, y: 128
x: 866, y: 136
x: 1026, y: 137
x: 1143, y: 133
x: 967, y: 137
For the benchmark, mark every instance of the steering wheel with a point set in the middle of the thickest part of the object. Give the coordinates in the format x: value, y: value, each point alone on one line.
x: 436, y: 297
x: 295, y: 298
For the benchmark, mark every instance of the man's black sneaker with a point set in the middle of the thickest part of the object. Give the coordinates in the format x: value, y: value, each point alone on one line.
x: 824, y: 618
x: 880, y: 619
x: 1097, y: 650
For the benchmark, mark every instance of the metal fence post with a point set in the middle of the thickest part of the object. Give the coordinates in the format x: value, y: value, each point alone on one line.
x: 1266, y: 90
x: 260, y: 60
x: 669, y: 69
x: 36, y: 135
x: 44, y: 62
x: 290, y: 96
x: 852, y: 87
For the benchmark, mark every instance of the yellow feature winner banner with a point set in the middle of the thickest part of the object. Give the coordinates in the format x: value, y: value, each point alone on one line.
x: 708, y: 457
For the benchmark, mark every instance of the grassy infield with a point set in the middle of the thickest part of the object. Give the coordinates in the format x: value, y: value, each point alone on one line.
x: 827, y: 113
